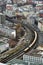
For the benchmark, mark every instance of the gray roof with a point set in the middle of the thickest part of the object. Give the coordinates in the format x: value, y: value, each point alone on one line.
x: 16, y: 61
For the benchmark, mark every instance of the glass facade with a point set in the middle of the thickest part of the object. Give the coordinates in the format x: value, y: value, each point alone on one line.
x: 33, y: 59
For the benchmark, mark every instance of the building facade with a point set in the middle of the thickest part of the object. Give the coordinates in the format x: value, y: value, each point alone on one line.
x: 32, y: 60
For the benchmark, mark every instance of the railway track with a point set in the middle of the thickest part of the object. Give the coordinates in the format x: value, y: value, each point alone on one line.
x: 23, y: 50
x: 29, y: 47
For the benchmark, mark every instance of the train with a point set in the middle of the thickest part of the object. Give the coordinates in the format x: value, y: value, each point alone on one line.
x: 32, y: 44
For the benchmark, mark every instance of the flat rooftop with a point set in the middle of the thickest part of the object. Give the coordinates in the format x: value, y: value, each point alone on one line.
x: 35, y: 53
x: 17, y: 61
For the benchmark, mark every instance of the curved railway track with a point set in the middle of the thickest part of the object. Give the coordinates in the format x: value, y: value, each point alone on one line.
x: 33, y: 42
x: 21, y: 51
x: 30, y: 46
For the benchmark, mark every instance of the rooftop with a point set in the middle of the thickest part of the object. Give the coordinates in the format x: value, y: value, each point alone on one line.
x: 16, y: 62
x: 36, y: 52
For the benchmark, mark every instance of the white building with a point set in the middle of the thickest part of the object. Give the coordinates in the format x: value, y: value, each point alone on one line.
x: 39, y: 7
x: 2, y: 64
x: 31, y: 19
x: 4, y: 47
x: 35, y: 57
x: 40, y: 24
x: 38, y: 1
x: 5, y: 30
x: 9, y: 1
x: 10, y: 10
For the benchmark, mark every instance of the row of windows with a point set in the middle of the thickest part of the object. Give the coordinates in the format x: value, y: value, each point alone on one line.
x: 33, y: 59
x: 37, y: 0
